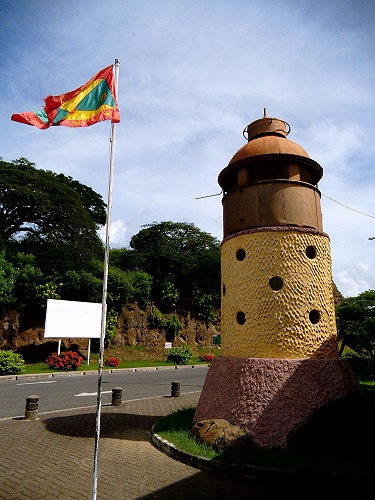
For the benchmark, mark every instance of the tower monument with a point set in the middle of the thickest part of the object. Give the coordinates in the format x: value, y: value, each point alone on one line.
x: 279, y: 360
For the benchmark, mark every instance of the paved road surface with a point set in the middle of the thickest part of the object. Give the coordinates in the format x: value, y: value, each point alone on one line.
x: 65, y: 391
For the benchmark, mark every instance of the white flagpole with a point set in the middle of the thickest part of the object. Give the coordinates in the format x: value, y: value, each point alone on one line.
x: 104, y: 296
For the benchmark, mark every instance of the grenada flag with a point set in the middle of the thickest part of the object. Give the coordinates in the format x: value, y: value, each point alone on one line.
x: 91, y: 103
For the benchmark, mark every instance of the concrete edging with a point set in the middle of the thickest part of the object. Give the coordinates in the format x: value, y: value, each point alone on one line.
x: 242, y: 470
x: 94, y: 372
x: 214, y: 465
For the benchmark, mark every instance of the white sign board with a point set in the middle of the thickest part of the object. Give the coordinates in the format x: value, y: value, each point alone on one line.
x: 74, y: 320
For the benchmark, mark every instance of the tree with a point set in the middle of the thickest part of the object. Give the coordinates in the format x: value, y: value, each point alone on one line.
x: 28, y: 286
x: 356, y: 324
x: 8, y: 278
x: 178, y: 255
x: 127, y: 286
x: 49, y: 215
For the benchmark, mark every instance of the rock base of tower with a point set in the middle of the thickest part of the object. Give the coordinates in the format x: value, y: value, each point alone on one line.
x: 276, y: 400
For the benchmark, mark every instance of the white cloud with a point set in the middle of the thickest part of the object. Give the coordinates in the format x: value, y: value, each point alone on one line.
x: 358, y: 277
x: 193, y: 74
x: 117, y: 233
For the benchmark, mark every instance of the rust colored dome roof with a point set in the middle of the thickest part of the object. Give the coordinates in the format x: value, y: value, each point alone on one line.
x: 268, y: 144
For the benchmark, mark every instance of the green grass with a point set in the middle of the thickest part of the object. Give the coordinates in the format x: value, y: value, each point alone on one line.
x: 176, y: 426
x: 175, y: 429
x: 40, y: 368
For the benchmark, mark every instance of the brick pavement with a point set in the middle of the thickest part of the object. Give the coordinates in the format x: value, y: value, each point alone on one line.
x: 52, y: 458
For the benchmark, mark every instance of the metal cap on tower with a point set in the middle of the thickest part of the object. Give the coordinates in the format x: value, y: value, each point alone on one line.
x: 266, y: 126
x: 269, y: 136
x: 270, y: 181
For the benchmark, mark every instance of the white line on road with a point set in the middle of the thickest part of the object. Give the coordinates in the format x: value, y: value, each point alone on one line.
x: 33, y: 383
x: 92, y: 393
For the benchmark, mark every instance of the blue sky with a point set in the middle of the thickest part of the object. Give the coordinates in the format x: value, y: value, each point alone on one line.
x: 193, y: 74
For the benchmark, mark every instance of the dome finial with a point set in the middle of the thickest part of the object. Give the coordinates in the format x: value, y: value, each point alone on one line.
x: 264, y: 113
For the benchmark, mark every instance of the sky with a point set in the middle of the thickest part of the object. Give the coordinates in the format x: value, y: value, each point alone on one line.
x: 192, y: 75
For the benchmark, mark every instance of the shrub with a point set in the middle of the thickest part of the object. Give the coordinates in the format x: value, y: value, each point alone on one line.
x: 110, y: 327
x: 156, y: 318
x: 180, y: 355
x: 68, y: 360
x: 11, y: 363
x: 169, y: 295
x: 111, y: 362
x: 172, y: 327
x: 207, y: 357
x: 8, y: 277
x: 203, y: 304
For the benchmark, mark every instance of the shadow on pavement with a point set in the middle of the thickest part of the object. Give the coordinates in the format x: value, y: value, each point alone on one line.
x: 207, y: 486
x: 112, y: 425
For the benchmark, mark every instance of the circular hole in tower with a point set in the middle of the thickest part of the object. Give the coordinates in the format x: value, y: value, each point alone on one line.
x: 314, y: 316
x: 241, y: 318
x: 224, y: 290
x: 311, y: 252
x: 276, y: 283
x: 240, y: 254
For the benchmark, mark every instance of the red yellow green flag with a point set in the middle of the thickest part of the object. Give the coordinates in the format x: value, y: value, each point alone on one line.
x: 91, y: 103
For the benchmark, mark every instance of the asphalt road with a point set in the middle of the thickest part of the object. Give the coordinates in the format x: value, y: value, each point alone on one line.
x: 73, y: 391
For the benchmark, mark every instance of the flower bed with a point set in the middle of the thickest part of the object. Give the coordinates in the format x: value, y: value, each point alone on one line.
x: 68, y: 360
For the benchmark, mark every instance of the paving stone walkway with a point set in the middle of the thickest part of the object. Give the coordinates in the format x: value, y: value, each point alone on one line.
x: 52, y: 458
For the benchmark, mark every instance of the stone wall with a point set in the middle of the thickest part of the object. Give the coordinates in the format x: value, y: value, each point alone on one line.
x: 132, y: 330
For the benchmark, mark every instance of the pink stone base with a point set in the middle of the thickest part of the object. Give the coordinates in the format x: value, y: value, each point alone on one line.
x: 269, y: 397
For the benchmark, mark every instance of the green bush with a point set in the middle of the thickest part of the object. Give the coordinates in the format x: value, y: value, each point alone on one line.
x: 110, y: 327
x: 156, y: 319
x: 203, y: 304
x: 68, y: 360
x: 8, y: 277
x: 180, y: 355
x: 172, y: 327
x: 169, y: 295
x: 11, y: 363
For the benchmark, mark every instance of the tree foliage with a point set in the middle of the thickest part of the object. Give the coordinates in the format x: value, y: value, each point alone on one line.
x: 49, y: 215
x: 8, y: 278
x: 49, y: 248
x: 11, y: 363
x: 356, y: 324
x: 180, y: 355
x: 180, y: 257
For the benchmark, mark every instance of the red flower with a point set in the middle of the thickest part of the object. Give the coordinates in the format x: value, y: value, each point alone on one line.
x: 65, y: 361
x: 111, y: 362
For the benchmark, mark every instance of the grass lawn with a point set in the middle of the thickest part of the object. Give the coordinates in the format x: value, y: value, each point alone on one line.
x: 176, y: 426
x: 36, y: 368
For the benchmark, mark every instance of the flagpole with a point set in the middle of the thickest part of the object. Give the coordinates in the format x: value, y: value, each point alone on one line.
x: 104, y: 295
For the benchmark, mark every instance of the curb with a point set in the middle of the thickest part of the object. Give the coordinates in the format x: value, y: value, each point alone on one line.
x: 95, y: 372
x: 244, y: 470
x: 207, y: 464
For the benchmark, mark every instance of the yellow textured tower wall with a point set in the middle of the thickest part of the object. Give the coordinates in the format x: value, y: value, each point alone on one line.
x: 277, y: 299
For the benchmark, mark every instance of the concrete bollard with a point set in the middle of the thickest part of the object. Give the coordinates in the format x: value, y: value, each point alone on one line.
x: 31, y: 408
x: 117, y: 396
x: 175, y: 389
